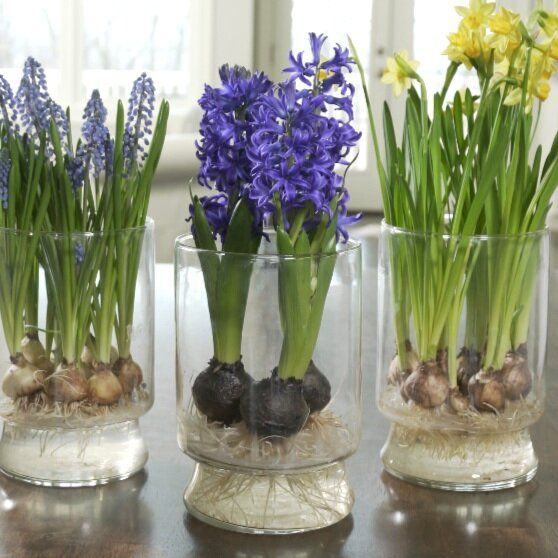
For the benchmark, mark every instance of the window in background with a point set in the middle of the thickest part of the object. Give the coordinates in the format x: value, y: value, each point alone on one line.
x: 378, y: 28
x: 30, y: 28
x: 119, y: 40
x: 325, y: 16
x: 429, y: 43
x: 105, y: 44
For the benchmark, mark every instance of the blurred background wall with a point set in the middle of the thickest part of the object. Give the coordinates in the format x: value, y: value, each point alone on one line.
x: 105, y: 44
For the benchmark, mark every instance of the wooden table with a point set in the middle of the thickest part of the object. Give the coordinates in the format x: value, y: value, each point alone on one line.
x: 145, y: 515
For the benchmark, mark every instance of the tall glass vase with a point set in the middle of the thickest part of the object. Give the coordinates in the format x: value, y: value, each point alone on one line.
x: 270, y: 449
x: 462, y: 325
x: 79, y: 373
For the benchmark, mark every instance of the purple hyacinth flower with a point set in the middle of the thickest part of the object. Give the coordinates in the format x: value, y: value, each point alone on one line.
x: 298, y: 144
x: 227, y: 123
x: 216, y: 212
x: 325, y: 74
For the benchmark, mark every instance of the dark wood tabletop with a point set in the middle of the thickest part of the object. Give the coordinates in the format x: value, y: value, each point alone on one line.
x: 145, y: 515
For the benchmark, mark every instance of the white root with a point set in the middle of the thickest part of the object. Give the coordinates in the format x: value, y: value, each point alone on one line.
x: 324, y: 435
x: 515, y: 416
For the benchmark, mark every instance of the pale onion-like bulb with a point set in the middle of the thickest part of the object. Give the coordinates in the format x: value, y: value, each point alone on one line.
x: 22, y: 380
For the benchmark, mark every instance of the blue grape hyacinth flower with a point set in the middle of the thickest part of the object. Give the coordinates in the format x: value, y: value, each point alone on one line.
x: 5, y: 165
x: 8, y: 111
x: 139, y: 121
x: 34, y: 105
x: 96, y: 147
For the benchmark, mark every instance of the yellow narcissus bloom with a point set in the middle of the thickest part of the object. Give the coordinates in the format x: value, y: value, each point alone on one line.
x: 399, y: 71
x: 538, y: 86
x: 514, y: 98
x: 501, y: 70
x: 539, y: 89
x: 505, y: 26
x: 464, y: 46
x: 542, y: 69
x: 551, y: 47
x: 476, y: 15
x: 542, y: 90
x: 548, y: 22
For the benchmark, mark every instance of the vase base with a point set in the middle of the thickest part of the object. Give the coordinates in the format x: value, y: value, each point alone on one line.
x: 273, y: 503
x: 460, y: 461
x: 462, y: 486
x: 72, y: 457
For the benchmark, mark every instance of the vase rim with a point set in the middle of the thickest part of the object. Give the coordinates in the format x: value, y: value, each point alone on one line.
x: 186, y: 243
x: 392, y: 229
x: 149, y: 224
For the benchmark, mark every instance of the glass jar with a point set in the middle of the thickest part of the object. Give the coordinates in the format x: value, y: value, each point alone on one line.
x: 274, y: 462
x: 462, y: 324
x: 78, y: 349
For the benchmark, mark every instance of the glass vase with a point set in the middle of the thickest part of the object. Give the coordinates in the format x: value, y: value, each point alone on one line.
x: 274, y: 461
x: 462, y: 324
x: 80, y: 369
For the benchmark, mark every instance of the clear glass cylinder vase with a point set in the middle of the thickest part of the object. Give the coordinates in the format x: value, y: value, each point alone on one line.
x: 269, y: 441
x: 462, y: 325
x: 78, y: 331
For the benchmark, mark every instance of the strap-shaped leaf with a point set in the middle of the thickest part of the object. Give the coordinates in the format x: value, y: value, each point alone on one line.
x: 203, y: 236
x: 284, y: 243
x: 240, y: 232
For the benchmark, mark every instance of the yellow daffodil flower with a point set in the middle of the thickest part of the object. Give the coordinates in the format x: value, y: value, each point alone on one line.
x: 538, y: 86
x: 399, y: 71
x: 542, y: 69
x: 502, y: 67
x: 513, y: 97
x: 501, y: 71
x: 539, y: 89
x: 476, y: 15
x: 551, y: 47
x: 505, y: 26
x: 464, y: 46
x: 548, y: 22
x: 542, y: 90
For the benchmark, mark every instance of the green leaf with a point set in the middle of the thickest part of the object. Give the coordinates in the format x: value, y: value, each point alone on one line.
x: 551, y: 157
x: 240, y: 233
x: 389, y: 140
x: 203, y: 236
x: 284, y: 243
